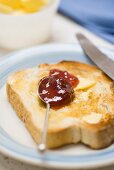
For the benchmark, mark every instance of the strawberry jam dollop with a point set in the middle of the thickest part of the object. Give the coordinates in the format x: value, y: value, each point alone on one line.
x: 65, y: 75
x: 55, y: 91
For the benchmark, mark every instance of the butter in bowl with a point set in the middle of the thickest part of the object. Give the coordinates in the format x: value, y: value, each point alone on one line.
x: 24, y: 23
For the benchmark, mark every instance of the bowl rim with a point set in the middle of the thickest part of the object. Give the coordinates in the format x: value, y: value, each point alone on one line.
x: 52, y: 4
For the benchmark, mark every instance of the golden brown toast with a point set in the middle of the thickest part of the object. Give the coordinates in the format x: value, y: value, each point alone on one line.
x: 89, y: 118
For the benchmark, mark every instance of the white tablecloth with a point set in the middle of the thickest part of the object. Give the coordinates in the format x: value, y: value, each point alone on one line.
x: 64, y: 31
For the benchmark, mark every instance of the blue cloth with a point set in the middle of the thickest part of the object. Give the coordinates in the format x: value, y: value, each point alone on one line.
x: 95, y: 15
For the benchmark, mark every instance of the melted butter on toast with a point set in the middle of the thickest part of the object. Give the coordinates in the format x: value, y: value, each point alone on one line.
x: 85, y: 83
x: 92, y: 118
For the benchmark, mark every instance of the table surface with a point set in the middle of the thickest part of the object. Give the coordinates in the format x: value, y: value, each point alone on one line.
x: 64, y: 31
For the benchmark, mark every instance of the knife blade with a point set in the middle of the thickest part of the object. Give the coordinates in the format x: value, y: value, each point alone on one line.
x: 99, y: 58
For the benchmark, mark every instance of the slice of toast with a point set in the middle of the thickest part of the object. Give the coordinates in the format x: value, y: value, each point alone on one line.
x: 89, y: 118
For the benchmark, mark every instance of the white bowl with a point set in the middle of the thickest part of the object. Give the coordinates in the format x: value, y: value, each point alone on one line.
x: 19, y: 31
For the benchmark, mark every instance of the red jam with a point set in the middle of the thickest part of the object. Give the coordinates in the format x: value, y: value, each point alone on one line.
x: 65, y: 75
x: 56, y: 91
x: 57, y: 88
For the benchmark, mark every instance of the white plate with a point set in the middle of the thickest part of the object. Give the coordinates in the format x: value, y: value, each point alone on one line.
x: 15, y: 140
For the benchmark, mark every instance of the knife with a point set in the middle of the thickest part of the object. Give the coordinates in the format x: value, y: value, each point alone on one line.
x: 100, y: 59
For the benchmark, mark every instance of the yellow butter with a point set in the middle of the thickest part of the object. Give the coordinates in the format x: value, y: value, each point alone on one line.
x: 33, y: 5
x: 15, y: 4
x: 85, y: 83
x: 18, y: 12
x: 21, y: 6
x: 5, y: 9
x: 92, y: 118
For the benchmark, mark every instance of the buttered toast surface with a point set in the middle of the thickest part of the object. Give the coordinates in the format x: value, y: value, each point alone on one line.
x: 89, y: 118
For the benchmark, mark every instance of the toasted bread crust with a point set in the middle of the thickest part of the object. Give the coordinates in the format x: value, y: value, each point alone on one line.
x: 97, y: 135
